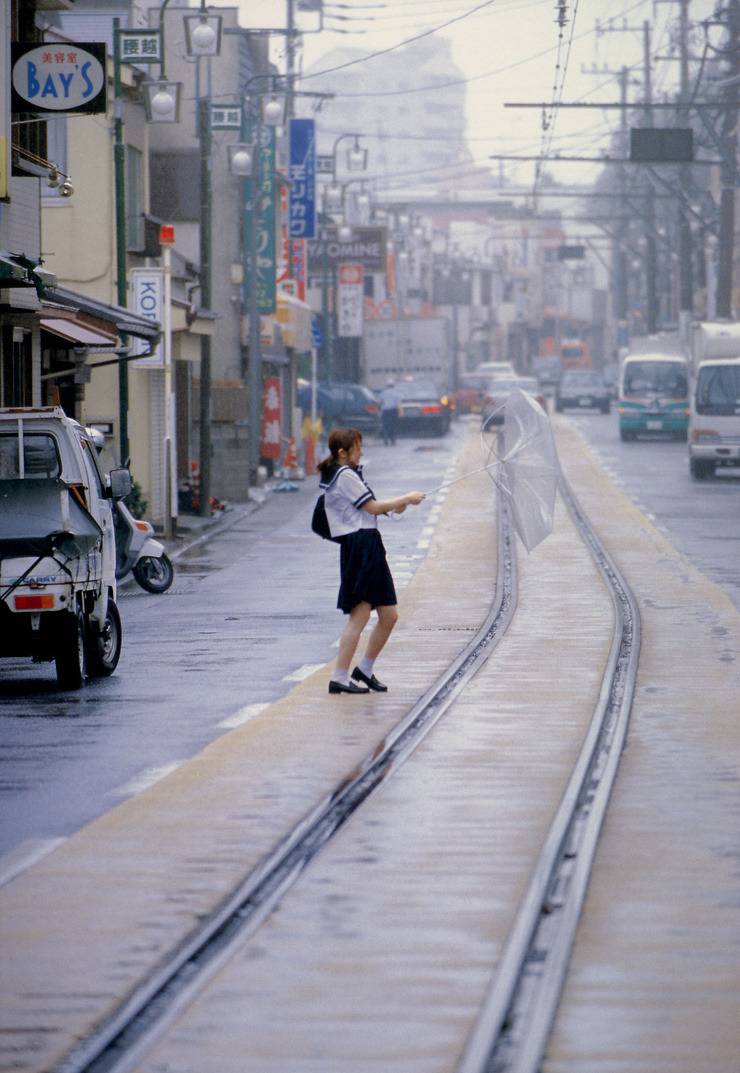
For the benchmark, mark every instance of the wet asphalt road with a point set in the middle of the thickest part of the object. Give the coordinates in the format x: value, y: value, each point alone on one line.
x: 250, y: 612
x: 700, y: 518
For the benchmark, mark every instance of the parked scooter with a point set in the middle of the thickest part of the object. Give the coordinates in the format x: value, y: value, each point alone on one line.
x: 139, y: 552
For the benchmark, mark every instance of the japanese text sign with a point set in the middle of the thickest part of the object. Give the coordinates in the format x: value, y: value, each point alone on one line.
x: 302, y: 175
x: 140, y: 46
x: 266, y: 267
x: 271, y: 429
x: 349, y: 301
x: 226, y: 116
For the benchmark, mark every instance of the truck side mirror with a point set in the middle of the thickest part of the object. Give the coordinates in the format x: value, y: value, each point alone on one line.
x: 121, y: 484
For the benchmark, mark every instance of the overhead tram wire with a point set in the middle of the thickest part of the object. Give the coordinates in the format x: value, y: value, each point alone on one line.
x: 557, y: 97
x: 460, y: 81
x: 400, y: 44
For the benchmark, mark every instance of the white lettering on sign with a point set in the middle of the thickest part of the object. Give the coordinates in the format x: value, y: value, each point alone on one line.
x: 58, y: 77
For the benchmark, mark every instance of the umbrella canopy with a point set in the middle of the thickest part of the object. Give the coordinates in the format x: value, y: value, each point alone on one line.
x: 527, y: 470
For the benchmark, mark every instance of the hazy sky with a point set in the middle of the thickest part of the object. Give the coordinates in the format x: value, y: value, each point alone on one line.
x: 508, y: 50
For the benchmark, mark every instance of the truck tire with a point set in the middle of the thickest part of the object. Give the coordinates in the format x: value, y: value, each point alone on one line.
x: 104, y: 646
x: 701, y: 468
x: 70, y: 655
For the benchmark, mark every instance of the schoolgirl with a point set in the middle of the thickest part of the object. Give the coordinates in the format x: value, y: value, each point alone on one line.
x: 365, y: 579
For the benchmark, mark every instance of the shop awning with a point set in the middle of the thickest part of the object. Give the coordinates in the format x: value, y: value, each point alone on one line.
x: 123, y: 320
x: 74, y: 332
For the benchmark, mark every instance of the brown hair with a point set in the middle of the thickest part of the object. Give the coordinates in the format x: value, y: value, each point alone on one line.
x: 338, y: 438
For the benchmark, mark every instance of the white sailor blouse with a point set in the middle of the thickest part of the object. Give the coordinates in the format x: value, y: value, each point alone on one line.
x: 344, y: 495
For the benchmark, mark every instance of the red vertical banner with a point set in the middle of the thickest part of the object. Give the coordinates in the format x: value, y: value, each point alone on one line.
x: 299, y: 265
x: 270, y: 438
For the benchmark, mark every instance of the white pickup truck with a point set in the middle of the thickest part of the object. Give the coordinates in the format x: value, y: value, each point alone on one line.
x: 57, y: 546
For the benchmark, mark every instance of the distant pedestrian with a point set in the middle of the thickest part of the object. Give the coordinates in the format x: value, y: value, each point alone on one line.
x: 365, y: 580
x: 389, y: 401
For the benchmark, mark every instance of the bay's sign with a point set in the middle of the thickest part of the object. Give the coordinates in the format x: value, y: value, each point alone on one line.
x: 58, y: 77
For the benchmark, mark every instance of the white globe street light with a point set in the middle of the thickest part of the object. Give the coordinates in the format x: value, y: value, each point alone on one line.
x: 203, y: 34
x: 241, y: 159
x: 162, y: 101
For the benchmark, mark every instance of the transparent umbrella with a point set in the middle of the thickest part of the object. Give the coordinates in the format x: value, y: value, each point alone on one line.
x: 523, y: 462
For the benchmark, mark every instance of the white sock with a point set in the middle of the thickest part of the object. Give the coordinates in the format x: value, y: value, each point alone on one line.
x: 340, y: 676
x: 366, y: 666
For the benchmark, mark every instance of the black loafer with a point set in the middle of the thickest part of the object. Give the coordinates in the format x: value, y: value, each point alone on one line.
x: 337, y: 687
x: 371, y: 681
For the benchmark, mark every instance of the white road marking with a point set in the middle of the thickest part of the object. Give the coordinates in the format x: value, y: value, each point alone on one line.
x: 243, y: 716
x: 303, y: 672
x: 428, y: 531
x: 23, y: 856
x: 146, y: 778
x: 423, y: 544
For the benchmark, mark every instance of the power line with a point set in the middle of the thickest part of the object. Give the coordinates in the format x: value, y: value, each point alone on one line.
x: 460, y: 81
x: 392, y: 48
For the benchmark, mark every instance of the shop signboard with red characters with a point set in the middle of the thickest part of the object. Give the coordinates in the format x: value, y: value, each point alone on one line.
x: 270, y: 439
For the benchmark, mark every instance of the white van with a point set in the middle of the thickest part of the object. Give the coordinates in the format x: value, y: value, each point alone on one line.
x: 714, y: 418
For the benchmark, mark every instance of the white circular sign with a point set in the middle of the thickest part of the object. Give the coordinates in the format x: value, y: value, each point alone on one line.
x: 56, y: 76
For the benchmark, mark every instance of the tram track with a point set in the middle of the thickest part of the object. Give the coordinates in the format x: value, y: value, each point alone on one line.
x: 519, y: 1008
x: 516, y: 1018
x: 119, y: 1043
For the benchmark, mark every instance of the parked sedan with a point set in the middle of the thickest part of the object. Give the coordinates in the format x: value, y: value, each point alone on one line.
x: 421, y: 407
x: 583, y: 388
x: 492, y: 412
x: 343, y: 404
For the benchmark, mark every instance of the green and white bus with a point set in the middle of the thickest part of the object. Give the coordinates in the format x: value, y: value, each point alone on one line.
x: 653, y: 396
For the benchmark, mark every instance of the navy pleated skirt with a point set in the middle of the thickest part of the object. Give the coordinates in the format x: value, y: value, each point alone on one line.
x: 365, y: 575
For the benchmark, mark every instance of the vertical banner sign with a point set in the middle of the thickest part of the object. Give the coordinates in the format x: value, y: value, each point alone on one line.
x: 147, y: 285
x: 349, y: 304
x: 299, y: 265
x: 271, y: 428
x: 266, y: 245
x: 302, y: 175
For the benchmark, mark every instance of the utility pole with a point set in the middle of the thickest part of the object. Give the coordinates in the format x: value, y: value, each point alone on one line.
x: 651, y: 260
x: 620, y: 257
x: 729, y: 174
x: 685, y: 252
x: 119, y: 165
x: 204, y: 138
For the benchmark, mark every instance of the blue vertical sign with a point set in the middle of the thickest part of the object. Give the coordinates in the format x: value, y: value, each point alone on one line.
x: 302, y: 175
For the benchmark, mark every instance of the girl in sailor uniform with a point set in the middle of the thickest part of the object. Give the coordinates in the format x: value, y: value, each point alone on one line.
x: 365, y: 580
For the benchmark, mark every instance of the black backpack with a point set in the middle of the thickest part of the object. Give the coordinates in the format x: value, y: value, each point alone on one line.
x: 319, y: 520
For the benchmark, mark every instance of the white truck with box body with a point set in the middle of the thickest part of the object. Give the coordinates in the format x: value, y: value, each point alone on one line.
x: 57, y: 546
x: 714, y: 410
x: 417, y: 347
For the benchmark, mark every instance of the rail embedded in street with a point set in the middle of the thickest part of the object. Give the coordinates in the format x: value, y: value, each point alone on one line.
x: 512, y: 1030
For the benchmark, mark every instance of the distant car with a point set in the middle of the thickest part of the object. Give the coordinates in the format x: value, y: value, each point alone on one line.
x: 496, y: 368
x: 471, y: 392
x: 584, y: 389
x: 548, y: 370
x: 422, y: 407
x: 342, y: 404
x: 492, y: 412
